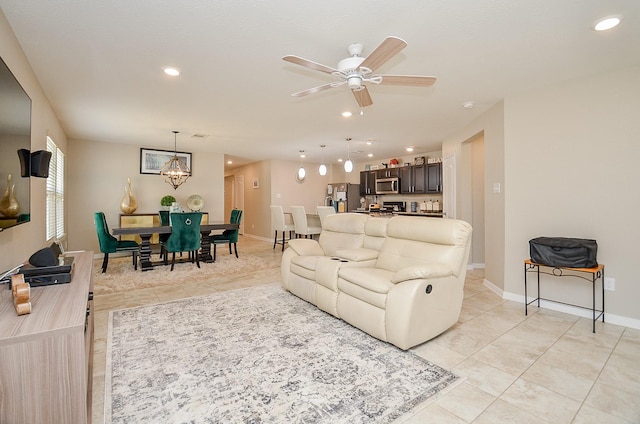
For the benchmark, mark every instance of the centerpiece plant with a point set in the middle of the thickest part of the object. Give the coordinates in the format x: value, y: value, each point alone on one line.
x: 167, y: 200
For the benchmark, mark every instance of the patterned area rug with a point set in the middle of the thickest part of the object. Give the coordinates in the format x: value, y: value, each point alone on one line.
x: 120, y: 275
x: 256, y: 355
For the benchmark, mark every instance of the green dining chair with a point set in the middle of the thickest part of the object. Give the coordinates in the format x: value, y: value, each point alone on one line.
x: 185, y: 236
x: 228, y: 236
x: 110, y: 244
x: 162, y: 238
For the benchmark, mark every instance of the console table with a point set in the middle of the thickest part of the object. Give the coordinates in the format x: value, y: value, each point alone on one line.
x: 595, y: 272
x: 46, y: 356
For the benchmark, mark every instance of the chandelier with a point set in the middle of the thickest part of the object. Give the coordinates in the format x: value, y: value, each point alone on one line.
x: 175, y: 171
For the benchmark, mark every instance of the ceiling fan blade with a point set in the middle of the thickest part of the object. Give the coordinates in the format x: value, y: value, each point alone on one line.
x: 385, y: 51
x: 363, y: 97
x: 314, y: 90
x: 309, y: 64
x: 412, y: 80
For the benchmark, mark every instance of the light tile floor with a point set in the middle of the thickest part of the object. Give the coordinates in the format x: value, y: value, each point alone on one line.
x: 547, y: 367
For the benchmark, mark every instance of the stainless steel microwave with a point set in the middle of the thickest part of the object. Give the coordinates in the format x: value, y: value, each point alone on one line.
x: 387, y: 185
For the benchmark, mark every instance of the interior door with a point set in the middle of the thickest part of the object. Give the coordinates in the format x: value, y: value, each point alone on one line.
x: 449, y: 186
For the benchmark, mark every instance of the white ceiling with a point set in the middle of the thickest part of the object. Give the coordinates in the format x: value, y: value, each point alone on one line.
x: 100, y: 63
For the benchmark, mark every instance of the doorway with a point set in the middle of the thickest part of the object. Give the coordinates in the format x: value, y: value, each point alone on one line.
x: 473, y: 195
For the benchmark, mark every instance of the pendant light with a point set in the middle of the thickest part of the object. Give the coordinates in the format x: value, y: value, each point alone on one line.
x: 348, y: 165
x: 175, y: 171
x: 302, y: 173
x: 323, y: 168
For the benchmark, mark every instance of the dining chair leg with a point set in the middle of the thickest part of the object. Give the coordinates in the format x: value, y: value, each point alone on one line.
x: 235, y: 248
x: 283, y: 239
x: 214, y: 252
x: 105, y: 262
x: 173, y: 259
x: 275, y: 238
x: 135, y: 260
x: 195, y: 253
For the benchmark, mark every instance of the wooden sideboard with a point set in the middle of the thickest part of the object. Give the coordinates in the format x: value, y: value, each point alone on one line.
x: 46, y: 356
x: 146, y: 220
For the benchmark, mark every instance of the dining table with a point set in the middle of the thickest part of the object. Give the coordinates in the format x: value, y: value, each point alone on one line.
x: 145, y: 233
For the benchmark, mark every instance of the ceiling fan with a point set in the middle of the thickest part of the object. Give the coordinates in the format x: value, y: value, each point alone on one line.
x: 356, y: 70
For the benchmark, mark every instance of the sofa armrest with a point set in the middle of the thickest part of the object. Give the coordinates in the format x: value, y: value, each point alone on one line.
x: 306, y: 247
x: 357, y: 255
x: 433, y: 270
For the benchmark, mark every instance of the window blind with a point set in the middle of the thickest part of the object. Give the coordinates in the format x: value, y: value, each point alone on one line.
x: 55, y: 193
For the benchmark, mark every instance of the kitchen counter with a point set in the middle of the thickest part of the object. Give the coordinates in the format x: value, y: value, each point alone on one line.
x: 390, y: 214
x: 431, y: 214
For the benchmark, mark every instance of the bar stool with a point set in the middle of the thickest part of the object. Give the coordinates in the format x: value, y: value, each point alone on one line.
x: 279, y: 224
x: 300, y: 222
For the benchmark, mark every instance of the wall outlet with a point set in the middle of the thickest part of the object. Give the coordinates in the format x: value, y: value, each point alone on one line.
x: 609, y: 283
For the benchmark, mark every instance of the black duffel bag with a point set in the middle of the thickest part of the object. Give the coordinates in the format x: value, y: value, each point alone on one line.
x: 564, y: 252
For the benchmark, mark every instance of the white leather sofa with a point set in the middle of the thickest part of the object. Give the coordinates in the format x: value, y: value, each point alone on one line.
x: 399, y: 279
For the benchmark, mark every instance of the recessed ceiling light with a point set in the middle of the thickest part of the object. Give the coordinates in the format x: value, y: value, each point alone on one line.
x: 340, y: 160
x: 174, y: 72
x: 468, y: 105
x: 370, y: 155
x: 346, y: 114
x: 607, y: 23
x: 409, y: 149
x: 229, y: 162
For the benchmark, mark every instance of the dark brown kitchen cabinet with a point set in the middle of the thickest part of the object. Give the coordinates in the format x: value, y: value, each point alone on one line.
x: 434, y: 178
x: 388, y: 173
x: 367, y: 183
x: 413, y: 179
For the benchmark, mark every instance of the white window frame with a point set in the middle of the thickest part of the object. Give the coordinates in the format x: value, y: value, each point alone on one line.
x: 55, y: 228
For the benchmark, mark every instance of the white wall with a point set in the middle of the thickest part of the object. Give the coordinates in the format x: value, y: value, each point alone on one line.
x: 18, y: 243
x: 97, y: 175
x: 571, y: 167
x: 491, y: 124
x: 566, y: 157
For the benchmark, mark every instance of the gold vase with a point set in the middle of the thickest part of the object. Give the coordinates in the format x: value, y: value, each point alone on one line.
x: 128, y: 204
x: 9, y: 206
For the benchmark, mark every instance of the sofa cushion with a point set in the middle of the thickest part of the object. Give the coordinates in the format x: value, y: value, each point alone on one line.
x: 357, y: 255
x: 370, y: 285
x: 375, y: 232
x: 304, y: 247
x: 412, y: 241
x: 305, y: 266
x: 415, y: 272
x: 342, y: 231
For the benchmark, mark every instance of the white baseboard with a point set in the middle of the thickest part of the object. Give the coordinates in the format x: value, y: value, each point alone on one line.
x: 497, y: 290
x: 575, y: 310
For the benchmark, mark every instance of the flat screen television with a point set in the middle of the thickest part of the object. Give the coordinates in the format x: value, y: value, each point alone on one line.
x: 15, y: 135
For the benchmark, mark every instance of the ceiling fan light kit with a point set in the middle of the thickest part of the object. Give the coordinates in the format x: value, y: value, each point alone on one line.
x: 356, y: 70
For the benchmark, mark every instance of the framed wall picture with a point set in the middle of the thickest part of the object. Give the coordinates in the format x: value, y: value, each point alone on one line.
x: 152, y: 160
x: 256, y: 183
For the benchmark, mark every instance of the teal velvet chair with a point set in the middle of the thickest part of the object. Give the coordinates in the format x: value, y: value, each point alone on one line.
x: 162, y: 238
x: 110, y: 244
x: 185, y: 236
x: 228, y: 236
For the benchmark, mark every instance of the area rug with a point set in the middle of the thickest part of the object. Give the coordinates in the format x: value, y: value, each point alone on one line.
x: 256, y: 355
x: 120, y: 275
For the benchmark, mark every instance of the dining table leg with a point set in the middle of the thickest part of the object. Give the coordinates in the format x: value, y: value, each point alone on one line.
x: 145, y: 252
x: 205, y: 247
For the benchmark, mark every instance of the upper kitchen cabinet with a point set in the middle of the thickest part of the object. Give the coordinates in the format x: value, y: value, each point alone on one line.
x: 367, y: 183
x: 434, y: 178
x: 388, y: 173
x: 413, y: 179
